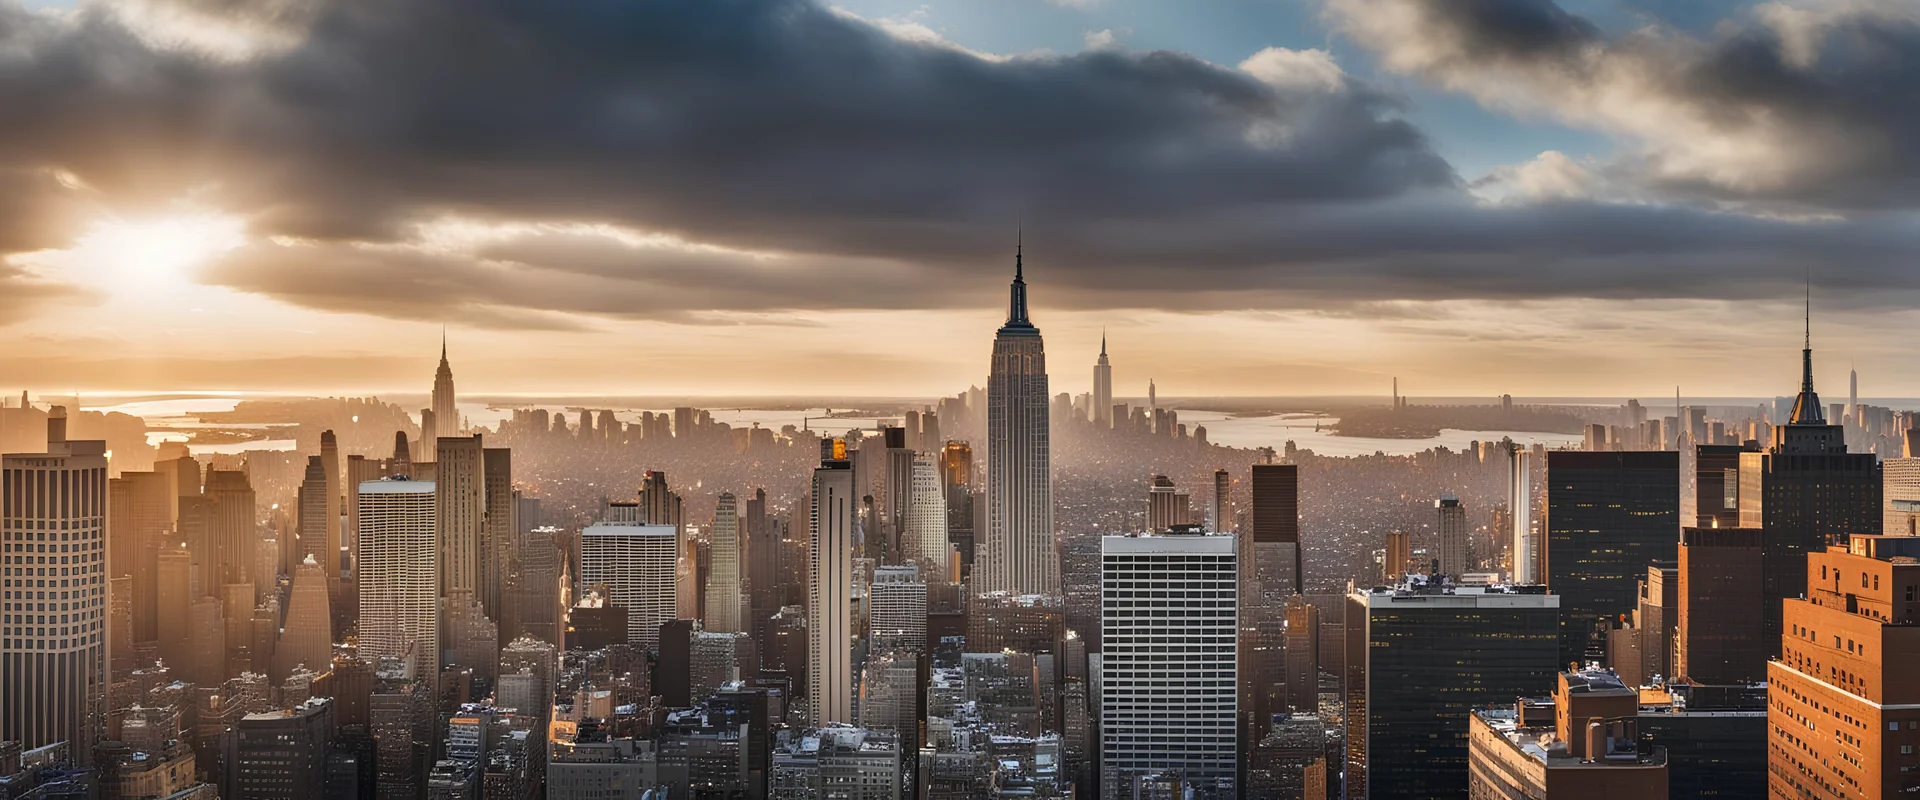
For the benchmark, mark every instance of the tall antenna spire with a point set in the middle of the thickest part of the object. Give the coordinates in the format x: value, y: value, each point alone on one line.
x: 1019, y: 243
x: 443, y: 342
x: 1809, y: 314
x: 1103, y: 341
x: 1806, y: 408
x: 1017, y: 303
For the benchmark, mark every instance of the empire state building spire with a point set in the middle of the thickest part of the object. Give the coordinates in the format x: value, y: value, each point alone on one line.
x: 1017, y: 304
x: 1806, y: 407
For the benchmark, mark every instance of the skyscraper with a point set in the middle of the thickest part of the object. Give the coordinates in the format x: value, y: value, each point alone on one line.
x: 1221, y: 517
x: 446, y: 415
x: 1419, y: 660
x: 1526, y: 557
x: 1806, y: 492
x: 956, y: 478
x: 1719, y: 627
x: 460, y: 486
x: 399, y: 575
x: 1841, y: 700
x: 830, y: 587
x: 636, y: 565
x: 310, y: 533
x: 723, y: 582
x: 1103, y: 388
x: 499, y: 530
x: 1609, y: 515
x: 307, y: 637
x: 1169, y: 668
x: 1276, y: 521
x: 329, y: 545
x: 925, y: 539
x: 1455, y: 549
x: 1020, y: 557
x: 899, y: 608
x: 53, y: 660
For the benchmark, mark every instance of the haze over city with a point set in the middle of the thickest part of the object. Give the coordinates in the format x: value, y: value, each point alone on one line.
x: 1605, y: 197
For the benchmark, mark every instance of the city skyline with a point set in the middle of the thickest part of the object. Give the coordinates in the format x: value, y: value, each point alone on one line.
x: 1354, y: 201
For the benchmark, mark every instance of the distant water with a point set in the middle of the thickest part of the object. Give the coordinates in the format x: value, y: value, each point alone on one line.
x: 1274, y: 431
x: 1249, y: 432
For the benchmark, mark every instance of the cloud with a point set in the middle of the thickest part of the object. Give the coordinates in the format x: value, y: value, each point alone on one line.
x: 23, y: 293
x: 549, y: 166
x: 1801, y: 104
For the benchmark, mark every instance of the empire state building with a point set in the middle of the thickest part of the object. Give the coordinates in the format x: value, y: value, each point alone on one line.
x: 1020, y: 557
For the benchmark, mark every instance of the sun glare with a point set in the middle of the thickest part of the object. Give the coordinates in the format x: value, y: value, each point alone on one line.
x: 148, y: 252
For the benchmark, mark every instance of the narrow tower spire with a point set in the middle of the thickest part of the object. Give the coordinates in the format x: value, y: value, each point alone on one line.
x: 1806, y: 407
x: 1103, y: 341
x: 1017, y: 305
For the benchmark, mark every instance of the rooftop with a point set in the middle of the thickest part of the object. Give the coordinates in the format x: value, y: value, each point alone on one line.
x: 1543, y: 745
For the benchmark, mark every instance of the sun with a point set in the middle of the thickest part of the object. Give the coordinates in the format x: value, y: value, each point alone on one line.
x: 146, y: 253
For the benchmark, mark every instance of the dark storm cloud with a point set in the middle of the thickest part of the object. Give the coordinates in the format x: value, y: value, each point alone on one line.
x: 1800, y: 105
x: 830, y: 165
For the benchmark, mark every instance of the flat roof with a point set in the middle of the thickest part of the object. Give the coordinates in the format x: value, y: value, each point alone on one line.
x: 628, y: 529
x: 390, y: 486
x: 1173, y: 543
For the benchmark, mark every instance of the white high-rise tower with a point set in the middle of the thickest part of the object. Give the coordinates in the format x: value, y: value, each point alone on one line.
x: 1020, y: 557
x: 53, y: 661
x: 830, y: 588
x: 925, y: 541
x: 399, y: 574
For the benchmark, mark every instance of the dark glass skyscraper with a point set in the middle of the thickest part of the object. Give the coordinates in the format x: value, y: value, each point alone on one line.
x: 1806, y: 492
x: 1609, y: 515
x: 1418, y: 662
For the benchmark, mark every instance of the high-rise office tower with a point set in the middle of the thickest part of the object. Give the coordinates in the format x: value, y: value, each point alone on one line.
x: 501, y: 528
x: 1719, y: 635
x: 1167, y: 506
x: 231, y: 528
x: 446, y: 415
x: 723, y: 583
x: 307, y: 638
x: 956, y: 477
x: 763, y: 559
x: 925, y: 539
x: 1169, y: 669
x: 1455, y: 548
x: 830, y: 587
x: 142, y: 516
x: 1807, y: 492
x: 1103, y: 388
x: 1221, y: 516
x: 1609, y: 515
x: 345, y: 601
x: 1303, y: 662
x: 329, y: 545
x: 899, y: 608
x: 460, y: 487
x: 1393, y: 561
x: 1276, y: 517
x: 1841, y: 700
x: 399, y: 575
x: 311, y: 531
x: 174, y: 598
x: 1710, y: 485
x: 53, y: 660
x: 1020, y: 557
x: 895, y: 494
x: 1418, y: 661
x: 635, y: 563
x: 1526, y: 557
x: 281, y: 755
x: 659, y: 505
